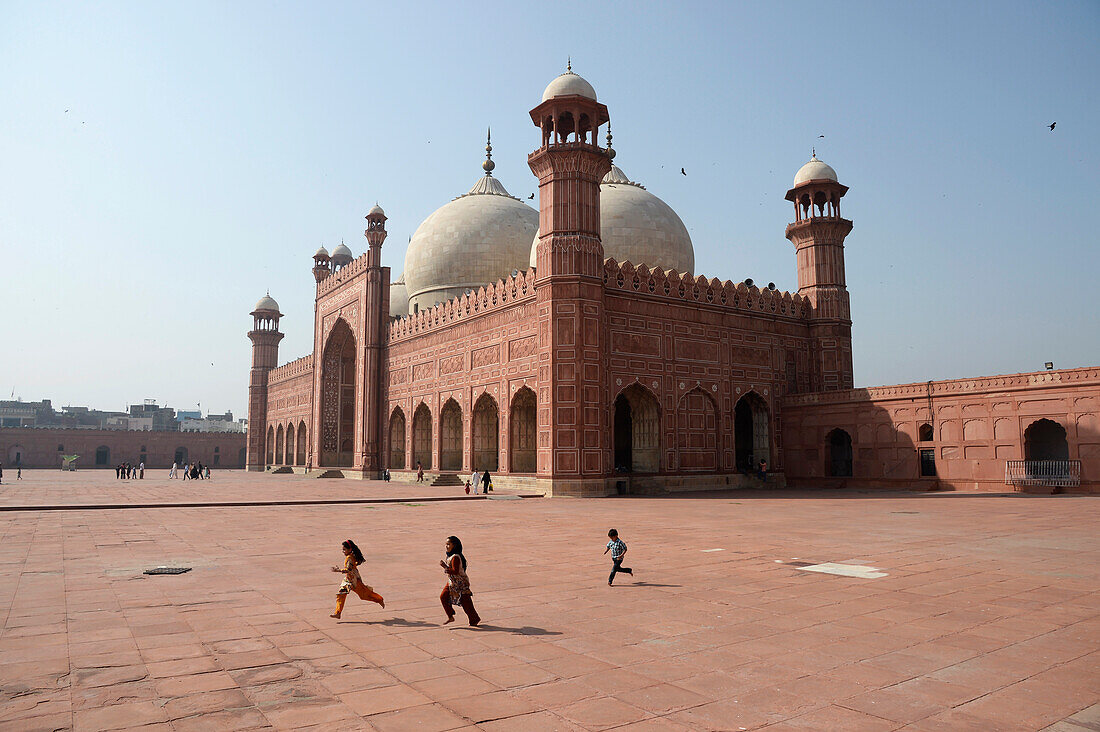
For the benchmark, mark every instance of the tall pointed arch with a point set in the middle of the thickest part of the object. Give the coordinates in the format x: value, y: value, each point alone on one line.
x: 636, y: 431
x: 486, y: 431
x: 523, y: 421
x: 397, y: 439
x: 338, y: 367
x: 450, y: 436
x: 751, y: 438
x: 697, y: 432
x: 422, y: 437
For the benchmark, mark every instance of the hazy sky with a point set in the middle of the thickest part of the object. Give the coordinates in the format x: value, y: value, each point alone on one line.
x: 162, y: 165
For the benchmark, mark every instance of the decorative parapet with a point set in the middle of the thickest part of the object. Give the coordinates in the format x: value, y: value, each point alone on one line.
x: 346, y: 274
x: 1009, y: 382
x: 672, y: 284
x: 494, y: 296
x: 288, y: 371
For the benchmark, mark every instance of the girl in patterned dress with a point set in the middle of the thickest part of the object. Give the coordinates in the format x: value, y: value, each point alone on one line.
x: 457, y: 591
x: 353, y: 582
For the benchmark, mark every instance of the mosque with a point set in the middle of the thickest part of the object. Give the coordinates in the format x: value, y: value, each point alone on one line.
x: 573, y: 350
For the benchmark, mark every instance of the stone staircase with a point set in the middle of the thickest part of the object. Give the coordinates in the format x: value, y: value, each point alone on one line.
x: 448, y: 479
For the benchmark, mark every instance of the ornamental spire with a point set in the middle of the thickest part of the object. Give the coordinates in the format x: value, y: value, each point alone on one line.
x: 488, y: 165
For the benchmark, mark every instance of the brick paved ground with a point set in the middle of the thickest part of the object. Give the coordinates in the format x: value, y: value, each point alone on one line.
x: 988, y: 616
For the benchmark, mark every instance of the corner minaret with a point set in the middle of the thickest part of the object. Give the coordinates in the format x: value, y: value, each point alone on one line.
x: 265, y: 337
x: 377, y: 308
x: 322, y: 265
x: 573, y: 456
x: 818, y: 234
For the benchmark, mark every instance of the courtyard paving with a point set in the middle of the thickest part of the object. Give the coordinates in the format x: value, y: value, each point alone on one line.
x: 980, y: 612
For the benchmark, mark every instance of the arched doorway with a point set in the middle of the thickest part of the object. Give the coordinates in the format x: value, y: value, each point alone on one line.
x: 290, y: 444
x: 242, y: 455
x: 102, y: 455
x: 15, y: 455
x: 450, y: 436
x: 280, y: 456
x: 839, y: 444
x: 750, y: 432
x: 300, y: 450
x: 522, y: 447
x: 486, y: 431
x: 270, y: 447
x: 422, y: 437
x: 697, y: 432
x: 181, y: 456
x: 338, y: 397
x: 636, y: 425
x: 1045, y: 439
x: 397, y: 439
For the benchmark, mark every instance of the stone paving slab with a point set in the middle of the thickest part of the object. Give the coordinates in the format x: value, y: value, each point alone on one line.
x: 988, y: 616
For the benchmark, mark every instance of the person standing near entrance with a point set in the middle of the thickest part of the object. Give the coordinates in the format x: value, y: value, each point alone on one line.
x: 618, y: 552
x: 419, y: 472
x: 1, y: 473
x: 19, y: 471
x: 141, y: 470
x: 475, y: 481
x: 486, y: 482
x: 172, y: 472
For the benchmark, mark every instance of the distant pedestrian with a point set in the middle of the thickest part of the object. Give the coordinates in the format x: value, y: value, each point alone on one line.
x: 186, y: 471
x: 419, y: 472
x: 486, y: 482
x: 118, y: 471
x: 172, y: 472
x: 1, y: 472
x: 19, y: 471
x: 475, y: 480
x: 467, y: 487
x: 762, y: 470
x: 457, y: 590
x: 208, y: 472
x: 618, y: 553
x: 141, y: 470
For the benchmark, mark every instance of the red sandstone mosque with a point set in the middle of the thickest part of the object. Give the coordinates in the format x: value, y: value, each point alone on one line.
x: 573, y: 350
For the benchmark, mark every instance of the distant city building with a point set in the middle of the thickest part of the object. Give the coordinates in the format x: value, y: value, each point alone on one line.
x: 211, y: 424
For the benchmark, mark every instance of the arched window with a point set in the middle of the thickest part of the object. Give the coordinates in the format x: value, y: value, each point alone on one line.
x: 486, y: 430
x: 522, y: 447
x: 1045, y: 439
x: 926, y: 433
x: 839, y: 444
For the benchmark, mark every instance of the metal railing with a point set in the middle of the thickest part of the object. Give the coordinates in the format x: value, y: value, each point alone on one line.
x: 1053, y: 473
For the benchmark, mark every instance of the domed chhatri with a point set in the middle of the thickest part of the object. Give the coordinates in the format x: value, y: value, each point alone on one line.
x: 267, y: 304
x: 342, y: 254
x: 475, y: 239
x: 569, y: 84
x: 376, y: 209
x: 399, y: 298
x: 638, y: 227
x: 321, y: 253
x: 814, y: 170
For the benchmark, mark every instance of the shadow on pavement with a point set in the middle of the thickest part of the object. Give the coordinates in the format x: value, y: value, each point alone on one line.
x: 525, y: 630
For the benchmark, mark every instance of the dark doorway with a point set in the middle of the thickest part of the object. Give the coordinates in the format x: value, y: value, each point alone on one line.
x: 927, y: 463
x: 624, y: 459
x: 102, y: 455
x: 750, y: 432
x: 1045, y: 439
x: 181, y: 455
x: 241, y: 456
x: 840, y: 453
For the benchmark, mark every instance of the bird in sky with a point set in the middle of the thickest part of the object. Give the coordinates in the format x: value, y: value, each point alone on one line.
x: 682, y: 172
x: 1052, y: 124
x: 820, y: 137
x: 531, y: 196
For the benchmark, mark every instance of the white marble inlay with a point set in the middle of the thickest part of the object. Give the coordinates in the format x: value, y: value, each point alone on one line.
x: 860, y: 571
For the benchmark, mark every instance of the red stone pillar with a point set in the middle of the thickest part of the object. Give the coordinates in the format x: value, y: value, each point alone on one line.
x: 265, y: 337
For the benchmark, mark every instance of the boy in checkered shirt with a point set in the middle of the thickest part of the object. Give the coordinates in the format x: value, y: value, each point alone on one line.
x: 618, y: 552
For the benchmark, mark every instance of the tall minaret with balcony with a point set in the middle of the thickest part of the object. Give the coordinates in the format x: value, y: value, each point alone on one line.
x: 265, y: 337
x: 573, y: 451
x: 377, y: 309
x: 818, y: 234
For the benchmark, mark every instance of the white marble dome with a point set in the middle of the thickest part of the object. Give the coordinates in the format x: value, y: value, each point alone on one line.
x: 342, y: 254
x: 321, y: 253
x: 475, y: 239
x: 568, y: 84
x: 638, y: 227
x: 267, y: 302
x: 376, y: 209
x: 399, y: 298
x: 814, y: 170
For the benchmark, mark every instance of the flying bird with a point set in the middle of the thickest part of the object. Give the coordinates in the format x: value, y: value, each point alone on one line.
x: 1052, y: 124
x: 66, y: 111
x: 820, y: 137
x: 531, y: 196
x: 682, y: 172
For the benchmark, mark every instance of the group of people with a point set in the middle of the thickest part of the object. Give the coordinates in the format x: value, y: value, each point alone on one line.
x: 125, y: 471
x: 480, y: 479
x: 457, y: 590
x: 190, y: 471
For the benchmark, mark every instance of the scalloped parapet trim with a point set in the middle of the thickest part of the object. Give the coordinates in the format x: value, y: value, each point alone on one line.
x: 287, y: 371
x: 1089, y: 375
x: 349, y: 272
x: 684, y: 286
x: 494, y: 296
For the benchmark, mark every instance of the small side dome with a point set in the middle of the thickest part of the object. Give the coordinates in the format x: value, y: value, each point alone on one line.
x: 321, y: 253
x: 376, y: 210
x: 399, y: 298
x: 341, y: 254
x: 568, y: 84
x: 814, y: 170
x: 267, y: 302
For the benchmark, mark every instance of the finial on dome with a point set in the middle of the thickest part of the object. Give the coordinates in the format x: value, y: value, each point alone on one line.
x: 610, y: 150
x: 569, y: 64
x: 488, y: 165
x: 813, y: 153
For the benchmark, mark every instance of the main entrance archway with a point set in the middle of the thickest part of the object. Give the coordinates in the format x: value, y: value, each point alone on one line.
x: 750, y: 432
x: 486, y: 429
x: 522, y: 447
x: 338, y: 398
x: 839, y: 444
x: 636, y: 424
x: 1045, y: 439
x: 450, y: 436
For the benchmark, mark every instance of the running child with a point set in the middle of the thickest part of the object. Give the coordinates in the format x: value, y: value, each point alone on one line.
x: 353, y: 582
x: 618, y: 553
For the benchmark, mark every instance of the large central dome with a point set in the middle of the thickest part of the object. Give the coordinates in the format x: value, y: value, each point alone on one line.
x: 638, y: 227
x: 475, y: 239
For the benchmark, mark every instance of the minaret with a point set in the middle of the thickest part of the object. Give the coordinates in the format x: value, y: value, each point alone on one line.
x: 377, y: 309
x: 818, y: 234
x: 574, y: 452
x: 322, y: 265
x: 265, y: 337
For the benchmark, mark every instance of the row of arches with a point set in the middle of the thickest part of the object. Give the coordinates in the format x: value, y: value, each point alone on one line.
x: 287, y: 445
x: 485, y: 431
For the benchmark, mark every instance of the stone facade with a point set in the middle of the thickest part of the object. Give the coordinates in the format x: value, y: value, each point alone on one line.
x: 43, y: 448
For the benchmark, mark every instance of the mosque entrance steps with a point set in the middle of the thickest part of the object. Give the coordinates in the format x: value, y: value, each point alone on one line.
x: 446, y: 479
x: 328, y: 474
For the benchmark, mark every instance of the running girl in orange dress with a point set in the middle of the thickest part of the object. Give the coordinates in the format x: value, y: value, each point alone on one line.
x: 352, y: 581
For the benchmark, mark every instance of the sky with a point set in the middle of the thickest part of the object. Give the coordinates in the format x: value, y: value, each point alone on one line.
x: 163, y: 165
